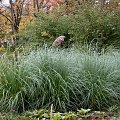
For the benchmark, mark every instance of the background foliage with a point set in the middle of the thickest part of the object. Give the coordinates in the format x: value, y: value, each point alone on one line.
x: 84, y: 24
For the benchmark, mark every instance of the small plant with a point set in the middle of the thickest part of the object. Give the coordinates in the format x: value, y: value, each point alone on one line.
x: 83, y: 111
x: 113, y: 108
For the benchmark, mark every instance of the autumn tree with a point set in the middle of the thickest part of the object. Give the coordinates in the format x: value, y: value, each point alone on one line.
x: 16, y: 13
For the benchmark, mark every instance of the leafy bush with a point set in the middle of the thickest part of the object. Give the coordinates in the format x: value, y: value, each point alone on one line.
x: 85, y: 24
x: 66, y: 79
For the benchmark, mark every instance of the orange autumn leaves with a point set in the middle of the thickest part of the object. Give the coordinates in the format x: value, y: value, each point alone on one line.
x: 51, y: 5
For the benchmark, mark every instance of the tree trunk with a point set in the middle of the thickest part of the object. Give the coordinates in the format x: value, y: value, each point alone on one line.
x: 12, y: 16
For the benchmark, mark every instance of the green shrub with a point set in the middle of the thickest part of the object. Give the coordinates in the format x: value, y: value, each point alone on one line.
x: 66, y: 79
x: 85, y: 24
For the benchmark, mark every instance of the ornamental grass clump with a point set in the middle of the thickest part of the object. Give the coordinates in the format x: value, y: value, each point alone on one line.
x: 68, y: 79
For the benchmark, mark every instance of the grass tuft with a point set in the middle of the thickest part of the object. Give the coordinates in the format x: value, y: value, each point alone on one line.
x: 66, y: 79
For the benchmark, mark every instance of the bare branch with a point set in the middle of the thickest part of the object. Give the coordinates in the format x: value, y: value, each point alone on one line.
x: 9, y: 19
